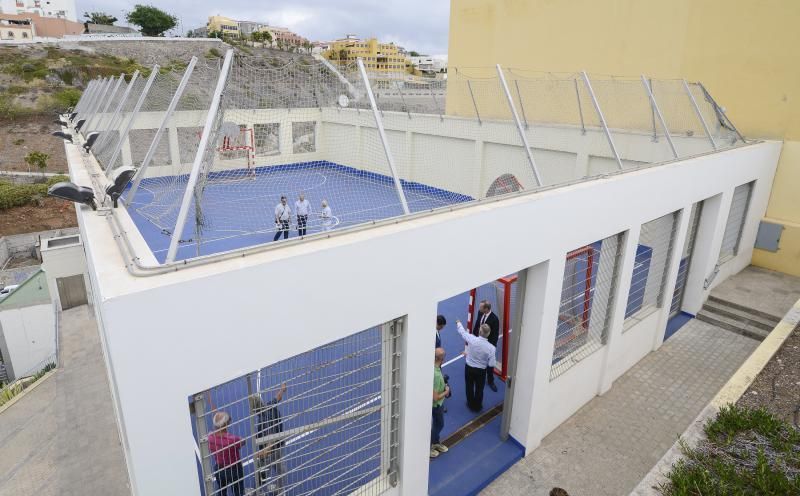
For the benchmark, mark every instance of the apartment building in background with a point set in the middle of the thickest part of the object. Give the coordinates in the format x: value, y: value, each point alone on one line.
x: 62, y: 9
x: 27, y: 26
x: 382, y: 58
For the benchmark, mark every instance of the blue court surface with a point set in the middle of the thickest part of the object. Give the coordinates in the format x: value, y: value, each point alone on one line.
x: 238, y: 206
x: 473, y: 463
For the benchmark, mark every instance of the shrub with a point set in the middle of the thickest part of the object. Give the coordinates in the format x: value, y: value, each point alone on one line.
x: 19, y: 141
x: 213, y: 53
x: 65, y: 98
x: 17, y: 195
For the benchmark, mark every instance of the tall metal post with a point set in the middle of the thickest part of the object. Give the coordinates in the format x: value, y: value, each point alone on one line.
x: 88, y: 96
x: 148, y: 157
x: 580, y: 107
x: 699, y: 114
x: 660, y: 116
x: 85, y: 97
x: 198, y: 158
x: 105, y: 133
x: 602, y: 118
x: 521, y: 103
x: 379, y: 123
x: 124, y: 134
x: 402, y: 98
x: 98, y: 101
x: 474, y: 103
x: 521, y: 131
x: 108, y: 101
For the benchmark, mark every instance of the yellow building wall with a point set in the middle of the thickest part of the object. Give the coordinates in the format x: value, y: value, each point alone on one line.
x: 746, y: 52
x: 225, y: 25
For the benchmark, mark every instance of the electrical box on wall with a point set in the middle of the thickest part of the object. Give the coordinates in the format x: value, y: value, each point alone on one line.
x: 769, y: 236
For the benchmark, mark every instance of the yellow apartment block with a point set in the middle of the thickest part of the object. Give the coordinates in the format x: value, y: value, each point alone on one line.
x: 378, y: 57
x: 225, y: 25
x: 746, y: 53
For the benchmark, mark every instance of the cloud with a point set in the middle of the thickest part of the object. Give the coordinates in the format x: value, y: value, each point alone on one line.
x: 419, y: 25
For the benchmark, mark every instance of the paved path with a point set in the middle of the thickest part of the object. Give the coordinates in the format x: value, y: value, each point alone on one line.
x: 614, y: 440
x: 611, y: 443
x: 61, y: 438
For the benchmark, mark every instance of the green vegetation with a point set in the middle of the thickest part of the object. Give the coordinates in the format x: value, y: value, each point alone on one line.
x: 17, y: 195
x: 748, y: 452
x: 7, y: 393
x: 47, y: 368
x: 100, y: 18
x: 213, y: 53
x: 37, y: 159
x: 152, y: 21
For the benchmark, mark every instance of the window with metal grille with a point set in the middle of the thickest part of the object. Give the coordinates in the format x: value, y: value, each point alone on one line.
x: 590, y: 278
x: 656, y: 239
x: 686, y: 259
x: 324, y: 422
x: 735, y: 222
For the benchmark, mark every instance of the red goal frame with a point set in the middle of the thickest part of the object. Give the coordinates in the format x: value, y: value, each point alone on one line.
x: 505, y: 319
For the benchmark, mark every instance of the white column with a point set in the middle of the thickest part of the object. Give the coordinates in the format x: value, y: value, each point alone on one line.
x: 536, y: 341
x: 671, y: 274
x: 707, y: 243
x: 628, y: 245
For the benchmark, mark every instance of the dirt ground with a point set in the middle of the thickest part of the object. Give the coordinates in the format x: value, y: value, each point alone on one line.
x: 777, y: 387
x: 53, y: 214
x: 27, y: 134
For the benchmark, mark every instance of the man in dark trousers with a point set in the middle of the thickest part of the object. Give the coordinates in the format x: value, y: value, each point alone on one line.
x: 480, y: 357
x: 440, y: 323
x: 486, y: 316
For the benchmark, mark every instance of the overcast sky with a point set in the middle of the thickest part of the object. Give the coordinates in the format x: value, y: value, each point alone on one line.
x: 419, y: 25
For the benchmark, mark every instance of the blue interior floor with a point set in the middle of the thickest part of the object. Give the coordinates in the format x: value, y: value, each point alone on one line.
x: 238, y: 206
x: 675, y: 323
x: 473, y: 463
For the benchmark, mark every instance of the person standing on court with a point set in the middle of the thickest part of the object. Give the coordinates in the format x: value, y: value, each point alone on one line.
x: 440, y: 323
x: 326, y: 216
x: 486, y: 316
x: 224, y: 448
x: 302, y: 208
x: 283, y: 215
x: 480, y: 358
x: 269, y: 459
x: 440, y: 391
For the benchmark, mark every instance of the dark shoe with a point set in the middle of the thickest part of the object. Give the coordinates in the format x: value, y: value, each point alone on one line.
x: 493, y: 387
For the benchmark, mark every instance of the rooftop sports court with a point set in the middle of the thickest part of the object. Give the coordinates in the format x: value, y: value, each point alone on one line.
x: 595, y: 221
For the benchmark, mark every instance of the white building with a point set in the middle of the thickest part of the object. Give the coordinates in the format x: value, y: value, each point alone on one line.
x: 631, y: 213
x: 428, y: 64
x: 64, y: 9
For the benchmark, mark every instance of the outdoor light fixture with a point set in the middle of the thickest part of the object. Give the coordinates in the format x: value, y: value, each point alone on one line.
x: 90, y: 139
x: 62, y: 135
x: 121, y: 179
x: 72, y: 116
x: 74, y: 193
x: 79, y: 124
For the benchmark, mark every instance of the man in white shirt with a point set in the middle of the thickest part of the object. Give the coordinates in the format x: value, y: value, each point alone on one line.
x: 480, y: 356
x: 326, y: 216
x: 283, y: 215
x: 302, y: 207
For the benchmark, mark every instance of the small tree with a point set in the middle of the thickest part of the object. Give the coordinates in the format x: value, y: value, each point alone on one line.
x: 267, y: 37
x: 100, y: 18
x: 38, y: 159
x: 412, y: 53
x: 152, y: 21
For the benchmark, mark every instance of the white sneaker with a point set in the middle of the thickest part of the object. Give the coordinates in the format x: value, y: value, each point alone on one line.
x: 434, y: 453
x: 441, y: 448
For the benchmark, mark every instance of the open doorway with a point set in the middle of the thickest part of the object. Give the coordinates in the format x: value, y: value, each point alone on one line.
x: 477, y: 450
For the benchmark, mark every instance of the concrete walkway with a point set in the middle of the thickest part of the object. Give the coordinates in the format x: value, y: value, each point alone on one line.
x: 611, y: 443
x: 61, y: 438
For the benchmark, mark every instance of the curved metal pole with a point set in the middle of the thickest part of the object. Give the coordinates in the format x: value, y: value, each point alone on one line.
x: 602, y: 118
x: 660, y: 116
x: 104, y: 137
x: 699, y: 114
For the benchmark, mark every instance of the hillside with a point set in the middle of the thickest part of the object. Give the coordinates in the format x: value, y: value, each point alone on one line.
x: 36, y: 81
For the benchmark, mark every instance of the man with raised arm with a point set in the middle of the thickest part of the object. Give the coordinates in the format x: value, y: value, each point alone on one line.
x: 480, y: 356
x: 486, y: 316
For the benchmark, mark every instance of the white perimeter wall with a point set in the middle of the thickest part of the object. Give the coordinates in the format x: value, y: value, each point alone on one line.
x: 172, y: 335
x: 452, y: 153
x: 30, y: 336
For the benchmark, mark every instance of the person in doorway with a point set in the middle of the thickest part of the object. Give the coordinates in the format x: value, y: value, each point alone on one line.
x: 268, y: 458
x: 480, y: 358
x: 326, y: 216
x: 486, y: 316
x: 283, y: 215
x: 440, y: 323
x: 302, y: 208
x: 225, y: 447
x: 440, y: 391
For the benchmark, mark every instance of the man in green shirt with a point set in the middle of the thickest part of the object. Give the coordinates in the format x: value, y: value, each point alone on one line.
x: 440, y: 391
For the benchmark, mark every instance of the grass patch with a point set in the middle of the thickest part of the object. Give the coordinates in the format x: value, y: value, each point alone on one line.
x: 747, y: 452
x: 16, y: 195
x: 213, y: 53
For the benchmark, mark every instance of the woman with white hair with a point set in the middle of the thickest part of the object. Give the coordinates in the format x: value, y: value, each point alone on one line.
x: 326, y: 216
x: 225, y: 447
